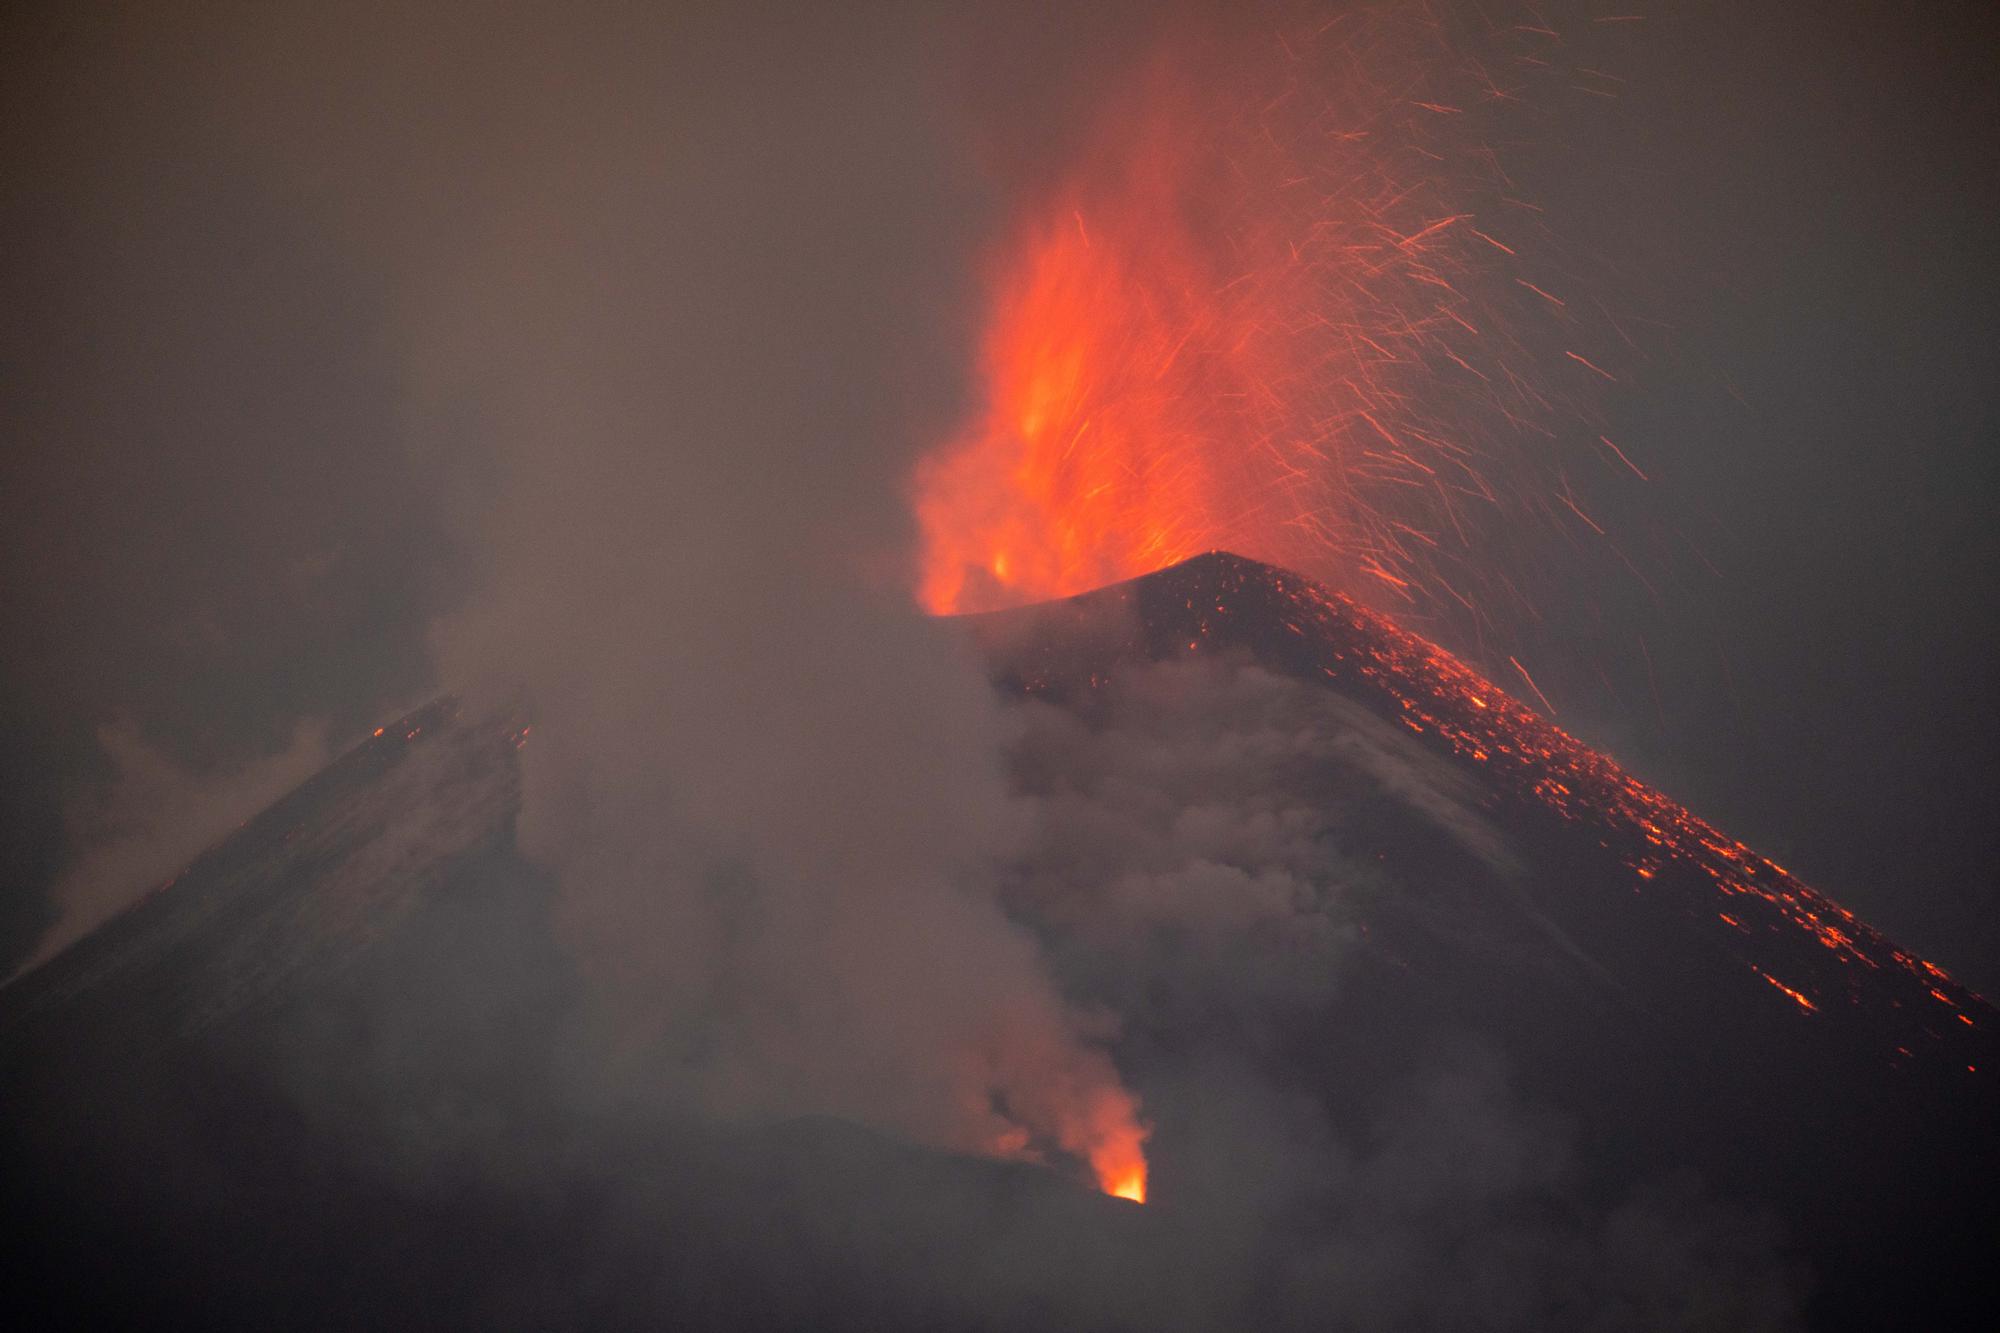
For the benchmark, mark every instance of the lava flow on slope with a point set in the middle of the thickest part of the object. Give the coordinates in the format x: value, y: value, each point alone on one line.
x: 1806, y: 953
x: 1690, y: 1004
x: 374, y: 955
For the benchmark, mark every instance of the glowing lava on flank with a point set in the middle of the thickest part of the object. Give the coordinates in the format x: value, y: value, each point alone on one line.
x: 1684, y: 890
x: 1276, y: 305
x: 1281, y: 301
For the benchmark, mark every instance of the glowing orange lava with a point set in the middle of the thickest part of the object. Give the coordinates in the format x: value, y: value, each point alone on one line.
x: 1277, y: 304
x: 1090, y: 464
x: 1112, y: 1138
x: 1274, y: 308
x: 1067, y: 1102
x: 1805, y: 951
x: 1120, y: 1165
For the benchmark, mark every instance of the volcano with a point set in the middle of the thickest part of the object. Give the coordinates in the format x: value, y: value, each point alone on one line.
x: 319, y: 1079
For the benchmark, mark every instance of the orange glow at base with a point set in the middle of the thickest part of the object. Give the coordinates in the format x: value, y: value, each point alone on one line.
x: 1112, y: 1138
x: 1120, y: 1164
x: 1064, y: 1101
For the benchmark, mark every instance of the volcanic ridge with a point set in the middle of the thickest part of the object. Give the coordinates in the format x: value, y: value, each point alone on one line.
x: 1687, y: 1004
x: 1684, y: 875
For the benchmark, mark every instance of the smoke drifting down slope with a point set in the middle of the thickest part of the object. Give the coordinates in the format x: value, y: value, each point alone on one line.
x: 1751, y: 908
x: 1417, y: 1041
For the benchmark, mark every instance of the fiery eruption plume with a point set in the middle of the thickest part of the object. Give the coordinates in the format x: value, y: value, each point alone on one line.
x: 1283, y: 302
x: 1277, y: 306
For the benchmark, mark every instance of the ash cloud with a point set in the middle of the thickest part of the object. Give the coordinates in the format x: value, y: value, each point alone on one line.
x: 769, y: 789
x: 653, y: 340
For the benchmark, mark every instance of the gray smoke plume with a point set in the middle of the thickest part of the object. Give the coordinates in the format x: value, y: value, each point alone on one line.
x: 770, y: 790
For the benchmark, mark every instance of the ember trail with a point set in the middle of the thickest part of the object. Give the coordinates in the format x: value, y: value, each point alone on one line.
x: 1783, y: 940
x: 1689, y: 1001
x: 1290, y: 307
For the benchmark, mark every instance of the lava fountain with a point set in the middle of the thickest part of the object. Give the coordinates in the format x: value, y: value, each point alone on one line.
x: 1281, y: 301
x: 1282, y: 305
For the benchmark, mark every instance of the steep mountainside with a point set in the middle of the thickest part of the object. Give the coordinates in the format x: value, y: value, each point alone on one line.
x: 321, y: 1078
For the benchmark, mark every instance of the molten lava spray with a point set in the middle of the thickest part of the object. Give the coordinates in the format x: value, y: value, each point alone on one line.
x: 1281, y: 301
x: 1277, y: 305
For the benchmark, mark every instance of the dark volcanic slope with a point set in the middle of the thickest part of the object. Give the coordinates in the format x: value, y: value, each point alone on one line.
x: 293, y: 897
x: 1718, y: 898
x: 1690, y: 1002
x: 319, y: 1080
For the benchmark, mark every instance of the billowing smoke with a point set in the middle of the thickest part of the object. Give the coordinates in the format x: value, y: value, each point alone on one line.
x: 1203, y: 860
x: 1199, y: 858
x: 771, y: 791
x: 670, y: 309
x: 772, y: 799
x: 654, y: 341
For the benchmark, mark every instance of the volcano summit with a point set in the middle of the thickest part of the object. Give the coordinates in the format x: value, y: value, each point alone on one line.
x: 1438, y: 1017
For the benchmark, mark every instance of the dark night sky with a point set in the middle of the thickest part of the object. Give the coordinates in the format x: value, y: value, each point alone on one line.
x: 220, y: 512
x: 1808, y: 192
